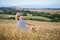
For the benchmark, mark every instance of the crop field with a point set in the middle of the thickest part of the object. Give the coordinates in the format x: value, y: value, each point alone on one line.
x: 24, y: 17
x: 43, y: 30
x: 48, y: 11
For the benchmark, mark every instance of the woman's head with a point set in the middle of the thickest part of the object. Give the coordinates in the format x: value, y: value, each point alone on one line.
x: 18, y: 16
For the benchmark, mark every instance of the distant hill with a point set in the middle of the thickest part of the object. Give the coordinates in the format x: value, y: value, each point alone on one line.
x: 42, y: 8
x: 14, y: 7
x: 19, y: 9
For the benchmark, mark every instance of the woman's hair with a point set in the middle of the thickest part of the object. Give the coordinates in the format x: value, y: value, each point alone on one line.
x: 17, y: 15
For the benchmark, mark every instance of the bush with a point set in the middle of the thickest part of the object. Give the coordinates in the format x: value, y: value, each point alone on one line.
x: 25, y: 14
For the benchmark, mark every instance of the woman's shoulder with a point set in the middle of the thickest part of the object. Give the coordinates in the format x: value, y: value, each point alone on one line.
x: 22, y: 20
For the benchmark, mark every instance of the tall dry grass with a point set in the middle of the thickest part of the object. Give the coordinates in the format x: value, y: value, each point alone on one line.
x: 9, y: 31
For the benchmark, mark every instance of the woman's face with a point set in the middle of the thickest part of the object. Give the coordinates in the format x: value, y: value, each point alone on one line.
x: 20, y: 17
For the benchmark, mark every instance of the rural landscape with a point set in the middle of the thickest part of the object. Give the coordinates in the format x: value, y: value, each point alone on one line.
x: 47, y: 24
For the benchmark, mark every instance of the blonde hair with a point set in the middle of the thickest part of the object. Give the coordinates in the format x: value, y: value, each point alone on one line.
x: 17, y: 15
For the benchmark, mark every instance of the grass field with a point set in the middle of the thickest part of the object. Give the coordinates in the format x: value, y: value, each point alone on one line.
x: 43, y: 30
x: 36, y: 18
x: 48, y: 11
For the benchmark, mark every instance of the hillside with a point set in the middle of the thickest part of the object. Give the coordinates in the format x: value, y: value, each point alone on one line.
x: 48, y: 11
x: 54, y: 15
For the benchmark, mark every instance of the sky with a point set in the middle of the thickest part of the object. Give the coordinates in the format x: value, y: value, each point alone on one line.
x: 31, y: 3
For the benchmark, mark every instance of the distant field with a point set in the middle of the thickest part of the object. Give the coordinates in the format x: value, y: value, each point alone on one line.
x: 48, y: 11
x: 4, y: 16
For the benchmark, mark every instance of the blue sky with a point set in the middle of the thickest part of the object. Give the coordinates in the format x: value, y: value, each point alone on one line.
x: 31, y: 3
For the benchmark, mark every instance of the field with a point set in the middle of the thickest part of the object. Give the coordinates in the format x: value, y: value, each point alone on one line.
x: 43, y: 30
x: 48, y: 11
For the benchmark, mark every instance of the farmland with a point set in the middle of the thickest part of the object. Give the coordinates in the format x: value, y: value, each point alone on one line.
x: 48, y: 11
x: 43, y: 30
x: 47, y: 24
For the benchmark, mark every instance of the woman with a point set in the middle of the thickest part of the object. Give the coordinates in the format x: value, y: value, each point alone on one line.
x: 22, y: 23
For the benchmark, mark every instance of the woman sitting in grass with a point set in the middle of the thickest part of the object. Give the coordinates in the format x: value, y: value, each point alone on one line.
x: 22, y: 23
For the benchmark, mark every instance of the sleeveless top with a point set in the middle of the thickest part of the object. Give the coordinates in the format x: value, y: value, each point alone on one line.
x: 22, y: 24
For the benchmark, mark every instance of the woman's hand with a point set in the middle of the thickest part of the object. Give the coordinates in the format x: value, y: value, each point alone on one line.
x: 31, y: 26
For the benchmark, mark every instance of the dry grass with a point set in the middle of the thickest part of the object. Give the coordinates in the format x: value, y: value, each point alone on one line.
x: 9, y: 31
x: 2, y: 16
x: 48, y: 11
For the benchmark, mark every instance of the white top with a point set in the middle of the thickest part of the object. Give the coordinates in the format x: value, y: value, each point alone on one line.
x: 22, y: 24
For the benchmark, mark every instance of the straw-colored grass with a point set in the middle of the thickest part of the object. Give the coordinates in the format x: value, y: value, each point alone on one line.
x: 9, y: 31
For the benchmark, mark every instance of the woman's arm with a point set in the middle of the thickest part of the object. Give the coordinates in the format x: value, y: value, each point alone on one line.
x: 30, y: 24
